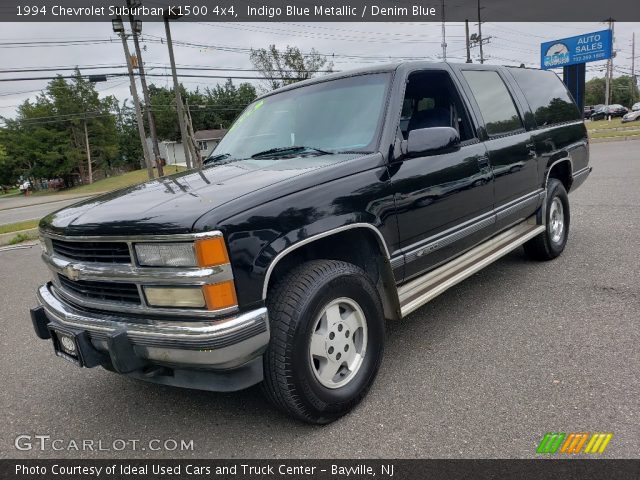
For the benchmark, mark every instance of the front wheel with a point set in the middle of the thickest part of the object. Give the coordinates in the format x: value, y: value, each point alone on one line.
x: 551, y: 243
x: 327, y: 340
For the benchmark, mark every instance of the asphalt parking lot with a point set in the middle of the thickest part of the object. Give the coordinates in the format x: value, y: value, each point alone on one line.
x: 485, y: 370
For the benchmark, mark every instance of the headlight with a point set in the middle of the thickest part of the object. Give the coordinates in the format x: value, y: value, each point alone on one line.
x: 207, y: 252
x: 188, y: 297
x: 166, y: 254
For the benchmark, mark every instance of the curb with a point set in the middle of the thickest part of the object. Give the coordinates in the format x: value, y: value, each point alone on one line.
x: 79, y: 197
x: 614, y: 139
x: 5, y: 238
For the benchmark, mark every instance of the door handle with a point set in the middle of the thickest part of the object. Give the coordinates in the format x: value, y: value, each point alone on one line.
x: 532, y: 150
x: 483, y: 161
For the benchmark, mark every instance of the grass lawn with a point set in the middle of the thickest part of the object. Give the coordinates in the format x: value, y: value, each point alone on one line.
x: 16, y: 227
x: 113, y: 183
x: 614, y: 123
x: 616, y: 133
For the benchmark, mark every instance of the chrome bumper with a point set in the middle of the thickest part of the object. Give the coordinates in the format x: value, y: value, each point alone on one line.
x: 213, y: 345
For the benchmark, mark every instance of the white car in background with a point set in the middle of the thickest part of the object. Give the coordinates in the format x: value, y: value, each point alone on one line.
x: 633, y: 115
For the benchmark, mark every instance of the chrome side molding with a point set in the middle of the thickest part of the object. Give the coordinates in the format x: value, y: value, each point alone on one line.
x: 416, y: 293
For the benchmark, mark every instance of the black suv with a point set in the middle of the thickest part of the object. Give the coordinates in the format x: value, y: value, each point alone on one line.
x: 331, y: 206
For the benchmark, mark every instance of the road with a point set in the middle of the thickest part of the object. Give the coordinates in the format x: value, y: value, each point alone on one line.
x: 30, y: 212
x: 485, y: 370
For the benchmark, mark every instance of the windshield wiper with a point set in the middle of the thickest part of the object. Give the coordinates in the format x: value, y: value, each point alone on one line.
x: 286, y: 150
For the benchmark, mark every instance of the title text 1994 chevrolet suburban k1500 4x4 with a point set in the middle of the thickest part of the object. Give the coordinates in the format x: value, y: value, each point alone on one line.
x: 331, y: 205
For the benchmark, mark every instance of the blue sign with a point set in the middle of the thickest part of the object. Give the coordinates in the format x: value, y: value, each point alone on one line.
x: 589, y: 47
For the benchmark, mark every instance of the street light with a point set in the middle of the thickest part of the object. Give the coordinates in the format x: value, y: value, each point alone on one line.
x: 137, y: 27
x: 118, y: 25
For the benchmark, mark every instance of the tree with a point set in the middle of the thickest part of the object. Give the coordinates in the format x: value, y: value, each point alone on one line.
x: 289, y: 66
x: 47, y: 138
x: 216, y: 107
x: 623, y: 91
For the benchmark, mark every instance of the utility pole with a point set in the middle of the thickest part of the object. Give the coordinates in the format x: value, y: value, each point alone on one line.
x: 195, y: 151
x: 467, y: 41
x: 633, y: 67
x: 480, y: 34
x: 134, y: 94
x: 135, y: 29
x: 176, y: 89
x: 444, y: 36
x: 87, y: 146
x: 609, y: 75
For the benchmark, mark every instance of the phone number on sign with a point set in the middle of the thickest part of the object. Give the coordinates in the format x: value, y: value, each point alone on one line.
x: 110, y: 11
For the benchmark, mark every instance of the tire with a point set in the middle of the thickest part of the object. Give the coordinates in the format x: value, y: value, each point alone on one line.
x: 551, y: 243
x: 304, y: 304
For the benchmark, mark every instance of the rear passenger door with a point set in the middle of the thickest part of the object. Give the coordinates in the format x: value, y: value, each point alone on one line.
x: 510, y: 147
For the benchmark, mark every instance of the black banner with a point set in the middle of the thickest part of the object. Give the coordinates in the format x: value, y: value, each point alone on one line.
x: 320, y: 469
x: 321, y: 10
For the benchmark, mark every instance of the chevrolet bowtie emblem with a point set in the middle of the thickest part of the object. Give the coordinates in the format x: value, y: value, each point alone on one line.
x: 71, y: 272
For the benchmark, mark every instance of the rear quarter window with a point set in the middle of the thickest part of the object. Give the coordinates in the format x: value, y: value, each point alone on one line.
x: 547, y: 96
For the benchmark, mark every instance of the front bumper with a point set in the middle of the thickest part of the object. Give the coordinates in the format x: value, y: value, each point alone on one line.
x: 192, y: 354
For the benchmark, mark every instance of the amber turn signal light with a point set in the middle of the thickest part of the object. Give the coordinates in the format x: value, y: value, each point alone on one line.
x: 211, y: 252
x: 220, y: 295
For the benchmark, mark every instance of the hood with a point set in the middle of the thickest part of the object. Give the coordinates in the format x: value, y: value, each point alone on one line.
x: 172, y: 204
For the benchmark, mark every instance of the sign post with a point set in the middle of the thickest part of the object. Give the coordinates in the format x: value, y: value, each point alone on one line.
x: 572, y: 54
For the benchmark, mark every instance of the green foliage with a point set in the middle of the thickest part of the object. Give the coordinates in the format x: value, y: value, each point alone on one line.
x: 47, y: 138
x: 280, y: 68
x: 622, y: 91
x: 19, y: 238
x: 215, y: 107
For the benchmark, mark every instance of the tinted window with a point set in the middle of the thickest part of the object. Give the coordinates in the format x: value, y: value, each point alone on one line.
x: 548, y: 97
x: 431, y: 100
x: 496, y: 105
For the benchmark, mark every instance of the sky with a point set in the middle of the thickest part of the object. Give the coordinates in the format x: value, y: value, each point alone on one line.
x: 223, y: 45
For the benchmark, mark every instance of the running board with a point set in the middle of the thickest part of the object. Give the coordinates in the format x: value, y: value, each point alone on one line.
x: 423, y: 289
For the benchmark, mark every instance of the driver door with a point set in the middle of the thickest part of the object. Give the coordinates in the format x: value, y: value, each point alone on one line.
x: 444, y: 199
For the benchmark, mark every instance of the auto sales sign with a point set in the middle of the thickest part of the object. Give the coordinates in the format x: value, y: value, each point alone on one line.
x: 589, y: 47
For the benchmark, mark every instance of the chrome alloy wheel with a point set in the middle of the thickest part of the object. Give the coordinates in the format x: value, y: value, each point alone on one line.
x: 556, y: 220
x: 338, y: 343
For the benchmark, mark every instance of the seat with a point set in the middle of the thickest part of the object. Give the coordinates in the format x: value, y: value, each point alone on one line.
x: 433, y: 117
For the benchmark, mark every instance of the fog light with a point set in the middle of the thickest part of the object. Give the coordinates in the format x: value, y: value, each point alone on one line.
x: 187, y: 297
x: 68, y: 344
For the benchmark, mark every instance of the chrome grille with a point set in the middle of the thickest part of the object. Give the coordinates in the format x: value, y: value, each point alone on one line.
x: 103, y: 252
x: 109, y: 291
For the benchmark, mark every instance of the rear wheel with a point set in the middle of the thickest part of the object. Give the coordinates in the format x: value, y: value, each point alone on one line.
x: 551, y: 243
x: 327, y: 340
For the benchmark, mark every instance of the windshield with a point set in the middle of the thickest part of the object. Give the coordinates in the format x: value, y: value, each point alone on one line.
x: 340, y: 115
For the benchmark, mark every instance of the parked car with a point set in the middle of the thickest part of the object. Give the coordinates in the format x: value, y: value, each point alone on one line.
x: 588, y: 111
x: 613, y: 110
x: 635, y: 107
x: 320, y: 215
x: 631, y: 116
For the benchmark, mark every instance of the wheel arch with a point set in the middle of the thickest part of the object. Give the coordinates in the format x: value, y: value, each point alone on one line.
x: 561, y: 169
x: 372, y: 255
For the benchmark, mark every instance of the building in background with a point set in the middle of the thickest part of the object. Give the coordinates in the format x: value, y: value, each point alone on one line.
x: 206, y: 140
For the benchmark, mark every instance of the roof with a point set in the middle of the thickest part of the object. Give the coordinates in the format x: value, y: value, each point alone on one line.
x: 216, y: 134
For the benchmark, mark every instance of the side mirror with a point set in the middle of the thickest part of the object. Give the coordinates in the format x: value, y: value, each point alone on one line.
x: 423, y: 140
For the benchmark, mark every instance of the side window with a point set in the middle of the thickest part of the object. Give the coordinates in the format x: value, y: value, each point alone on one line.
x: 548, y: 97
x: 432, y: 100
x: 494, y: 100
